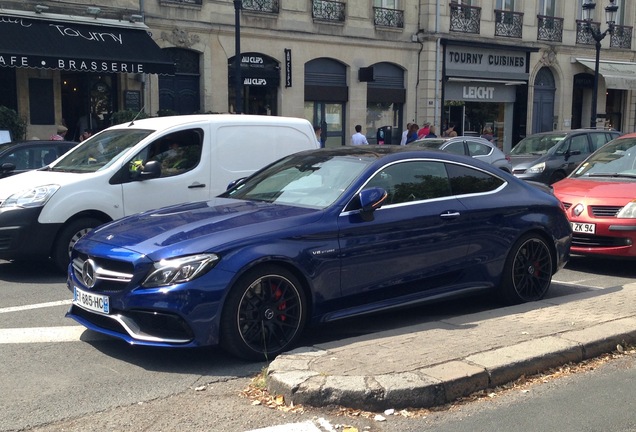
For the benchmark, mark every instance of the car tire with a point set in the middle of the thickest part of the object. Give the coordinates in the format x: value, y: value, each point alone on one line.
x: 264, y: 314
x: 527, y: 272
x: 67, y: 238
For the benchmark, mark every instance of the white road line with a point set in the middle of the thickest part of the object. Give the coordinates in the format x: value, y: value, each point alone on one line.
x: 35, y: 306
x: 41, y: 334
x: 307, y: 426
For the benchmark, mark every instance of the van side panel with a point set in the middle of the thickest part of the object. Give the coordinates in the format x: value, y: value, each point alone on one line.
x: 242, y: 150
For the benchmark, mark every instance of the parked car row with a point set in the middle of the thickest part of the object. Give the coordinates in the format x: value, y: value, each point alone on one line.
x: 306, y: 236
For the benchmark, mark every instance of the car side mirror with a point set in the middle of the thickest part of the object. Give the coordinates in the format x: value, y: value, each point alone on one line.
x: 235, y: 182
x: 372, y: 199
x: 152, y: 169
x: 7, y: 166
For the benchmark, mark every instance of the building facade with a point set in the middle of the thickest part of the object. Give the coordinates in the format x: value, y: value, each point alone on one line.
x: 517, y: 67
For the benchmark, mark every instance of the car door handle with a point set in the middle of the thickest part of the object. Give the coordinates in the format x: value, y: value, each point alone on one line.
x: 196, y: 185
x: 449, y: 215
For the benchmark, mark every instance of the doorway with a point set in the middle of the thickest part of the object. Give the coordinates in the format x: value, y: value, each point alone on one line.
x: 87, y: 102
x: 330, y: 117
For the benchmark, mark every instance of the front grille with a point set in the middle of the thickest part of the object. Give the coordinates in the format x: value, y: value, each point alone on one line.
x: 605, y: 211
x: 110, y: 275
x: 586, y: 241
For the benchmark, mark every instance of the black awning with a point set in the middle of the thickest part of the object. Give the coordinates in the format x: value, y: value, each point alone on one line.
x: 71, y: 46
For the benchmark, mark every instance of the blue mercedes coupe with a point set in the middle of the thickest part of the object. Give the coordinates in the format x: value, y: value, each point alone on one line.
x: 316, y: 237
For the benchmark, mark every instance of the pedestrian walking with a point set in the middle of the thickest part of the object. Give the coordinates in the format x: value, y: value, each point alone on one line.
x: 358, y: 138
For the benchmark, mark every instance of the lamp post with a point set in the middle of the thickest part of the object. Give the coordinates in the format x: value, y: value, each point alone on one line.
x: 598, y: 36
x: 238, y: 85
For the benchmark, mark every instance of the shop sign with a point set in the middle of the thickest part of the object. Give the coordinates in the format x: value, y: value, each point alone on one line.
x: 288, y: 68
x: 255, y: 82
x: 485, y: 62
x: 479, y: 92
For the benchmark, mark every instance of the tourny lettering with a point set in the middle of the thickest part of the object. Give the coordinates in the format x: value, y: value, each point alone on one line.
x: 89, y: 35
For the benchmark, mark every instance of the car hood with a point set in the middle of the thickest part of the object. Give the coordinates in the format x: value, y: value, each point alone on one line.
x: 25, y: 180
x: 524, y: 161
x: 600, y: 189
x: 197, y: 227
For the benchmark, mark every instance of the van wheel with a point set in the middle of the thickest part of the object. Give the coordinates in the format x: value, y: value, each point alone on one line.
x: 66, y: 239
x: 264, y: 314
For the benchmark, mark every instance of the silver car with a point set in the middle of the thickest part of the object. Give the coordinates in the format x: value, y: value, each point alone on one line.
x: 477, y: 147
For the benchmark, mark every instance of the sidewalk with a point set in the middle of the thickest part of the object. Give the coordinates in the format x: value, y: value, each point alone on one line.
x: 434, y: 363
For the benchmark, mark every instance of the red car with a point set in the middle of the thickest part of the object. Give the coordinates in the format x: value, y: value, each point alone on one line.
x: 600, y: 200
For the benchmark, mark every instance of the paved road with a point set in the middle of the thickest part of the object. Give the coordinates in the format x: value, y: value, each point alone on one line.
x: 52, y: 369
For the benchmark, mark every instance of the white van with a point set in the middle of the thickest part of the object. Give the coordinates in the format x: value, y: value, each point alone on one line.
x: 133, y: 167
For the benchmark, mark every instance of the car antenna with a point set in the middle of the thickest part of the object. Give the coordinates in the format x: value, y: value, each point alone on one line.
x: 132, y: 122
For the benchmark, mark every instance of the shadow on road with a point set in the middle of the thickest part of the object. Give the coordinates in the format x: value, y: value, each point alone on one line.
x: 30, y: 272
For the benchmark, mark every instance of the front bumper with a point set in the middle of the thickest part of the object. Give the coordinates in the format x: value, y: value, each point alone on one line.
x: 22, y: 236
x: 185, y: 315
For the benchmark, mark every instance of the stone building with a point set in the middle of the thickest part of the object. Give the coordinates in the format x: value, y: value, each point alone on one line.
x: 516, y: 67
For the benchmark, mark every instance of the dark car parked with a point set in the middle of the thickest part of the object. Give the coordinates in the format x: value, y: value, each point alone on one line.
x: 20, y: 156
x: 548, y: 157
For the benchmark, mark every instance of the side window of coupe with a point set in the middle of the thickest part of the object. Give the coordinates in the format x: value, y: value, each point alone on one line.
x: 465, y: 180
x: 413, y: 181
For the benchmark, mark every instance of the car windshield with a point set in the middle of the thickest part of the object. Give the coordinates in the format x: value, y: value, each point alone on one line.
x: 616, y: 159
x: 314, y: 181
x: 537, y: 144
x: 100, y: 151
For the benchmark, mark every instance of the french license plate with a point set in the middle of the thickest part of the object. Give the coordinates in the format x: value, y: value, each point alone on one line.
x: 94, y: 302
x: 586, y: 228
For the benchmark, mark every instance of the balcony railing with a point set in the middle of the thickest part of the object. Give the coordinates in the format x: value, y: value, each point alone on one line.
x: 622, y: 37
x: 269, y: 6
x: 508, y: 23
x: 388, y: 17
x: 464, y: 19
x: 328, y: 10
x: 583, y: 35
x: 549, y: 28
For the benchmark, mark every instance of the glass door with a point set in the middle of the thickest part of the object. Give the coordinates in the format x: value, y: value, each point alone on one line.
x: 330, y: 117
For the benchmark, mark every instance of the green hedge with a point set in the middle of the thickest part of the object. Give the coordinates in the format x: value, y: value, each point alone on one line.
x: 10, y: 120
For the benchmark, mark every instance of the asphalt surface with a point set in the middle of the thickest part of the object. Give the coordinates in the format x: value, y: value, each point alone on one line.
x: 437, y: 362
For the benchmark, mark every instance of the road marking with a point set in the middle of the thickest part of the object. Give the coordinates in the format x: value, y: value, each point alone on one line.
x: 41, y: 334
x: 35, y: 306
x: 307, y: 426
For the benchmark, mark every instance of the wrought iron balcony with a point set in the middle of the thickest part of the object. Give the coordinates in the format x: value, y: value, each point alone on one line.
x: 465, y: 19
x: 328, y: 10
x: 269, y: 6
x: 583, y: 35
x: 621, y: 37
x: 388, y: 17
x: 508, y: 23
x: 549, y: 28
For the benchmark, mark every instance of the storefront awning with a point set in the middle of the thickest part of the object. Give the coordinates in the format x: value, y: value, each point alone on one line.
x: 78, y: 46
x: 617, y: 75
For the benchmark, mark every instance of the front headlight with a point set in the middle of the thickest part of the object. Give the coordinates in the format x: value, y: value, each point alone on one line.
x: 178, y: 270
x: 536, y: 169
x: 33, y: 197
x: 628, y: 212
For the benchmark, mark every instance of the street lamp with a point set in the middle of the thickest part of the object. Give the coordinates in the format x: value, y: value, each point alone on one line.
x: 238, y: 85
x: 598, y: 36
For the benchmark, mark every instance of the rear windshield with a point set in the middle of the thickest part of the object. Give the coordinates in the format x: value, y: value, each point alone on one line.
x: 100, y: 151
